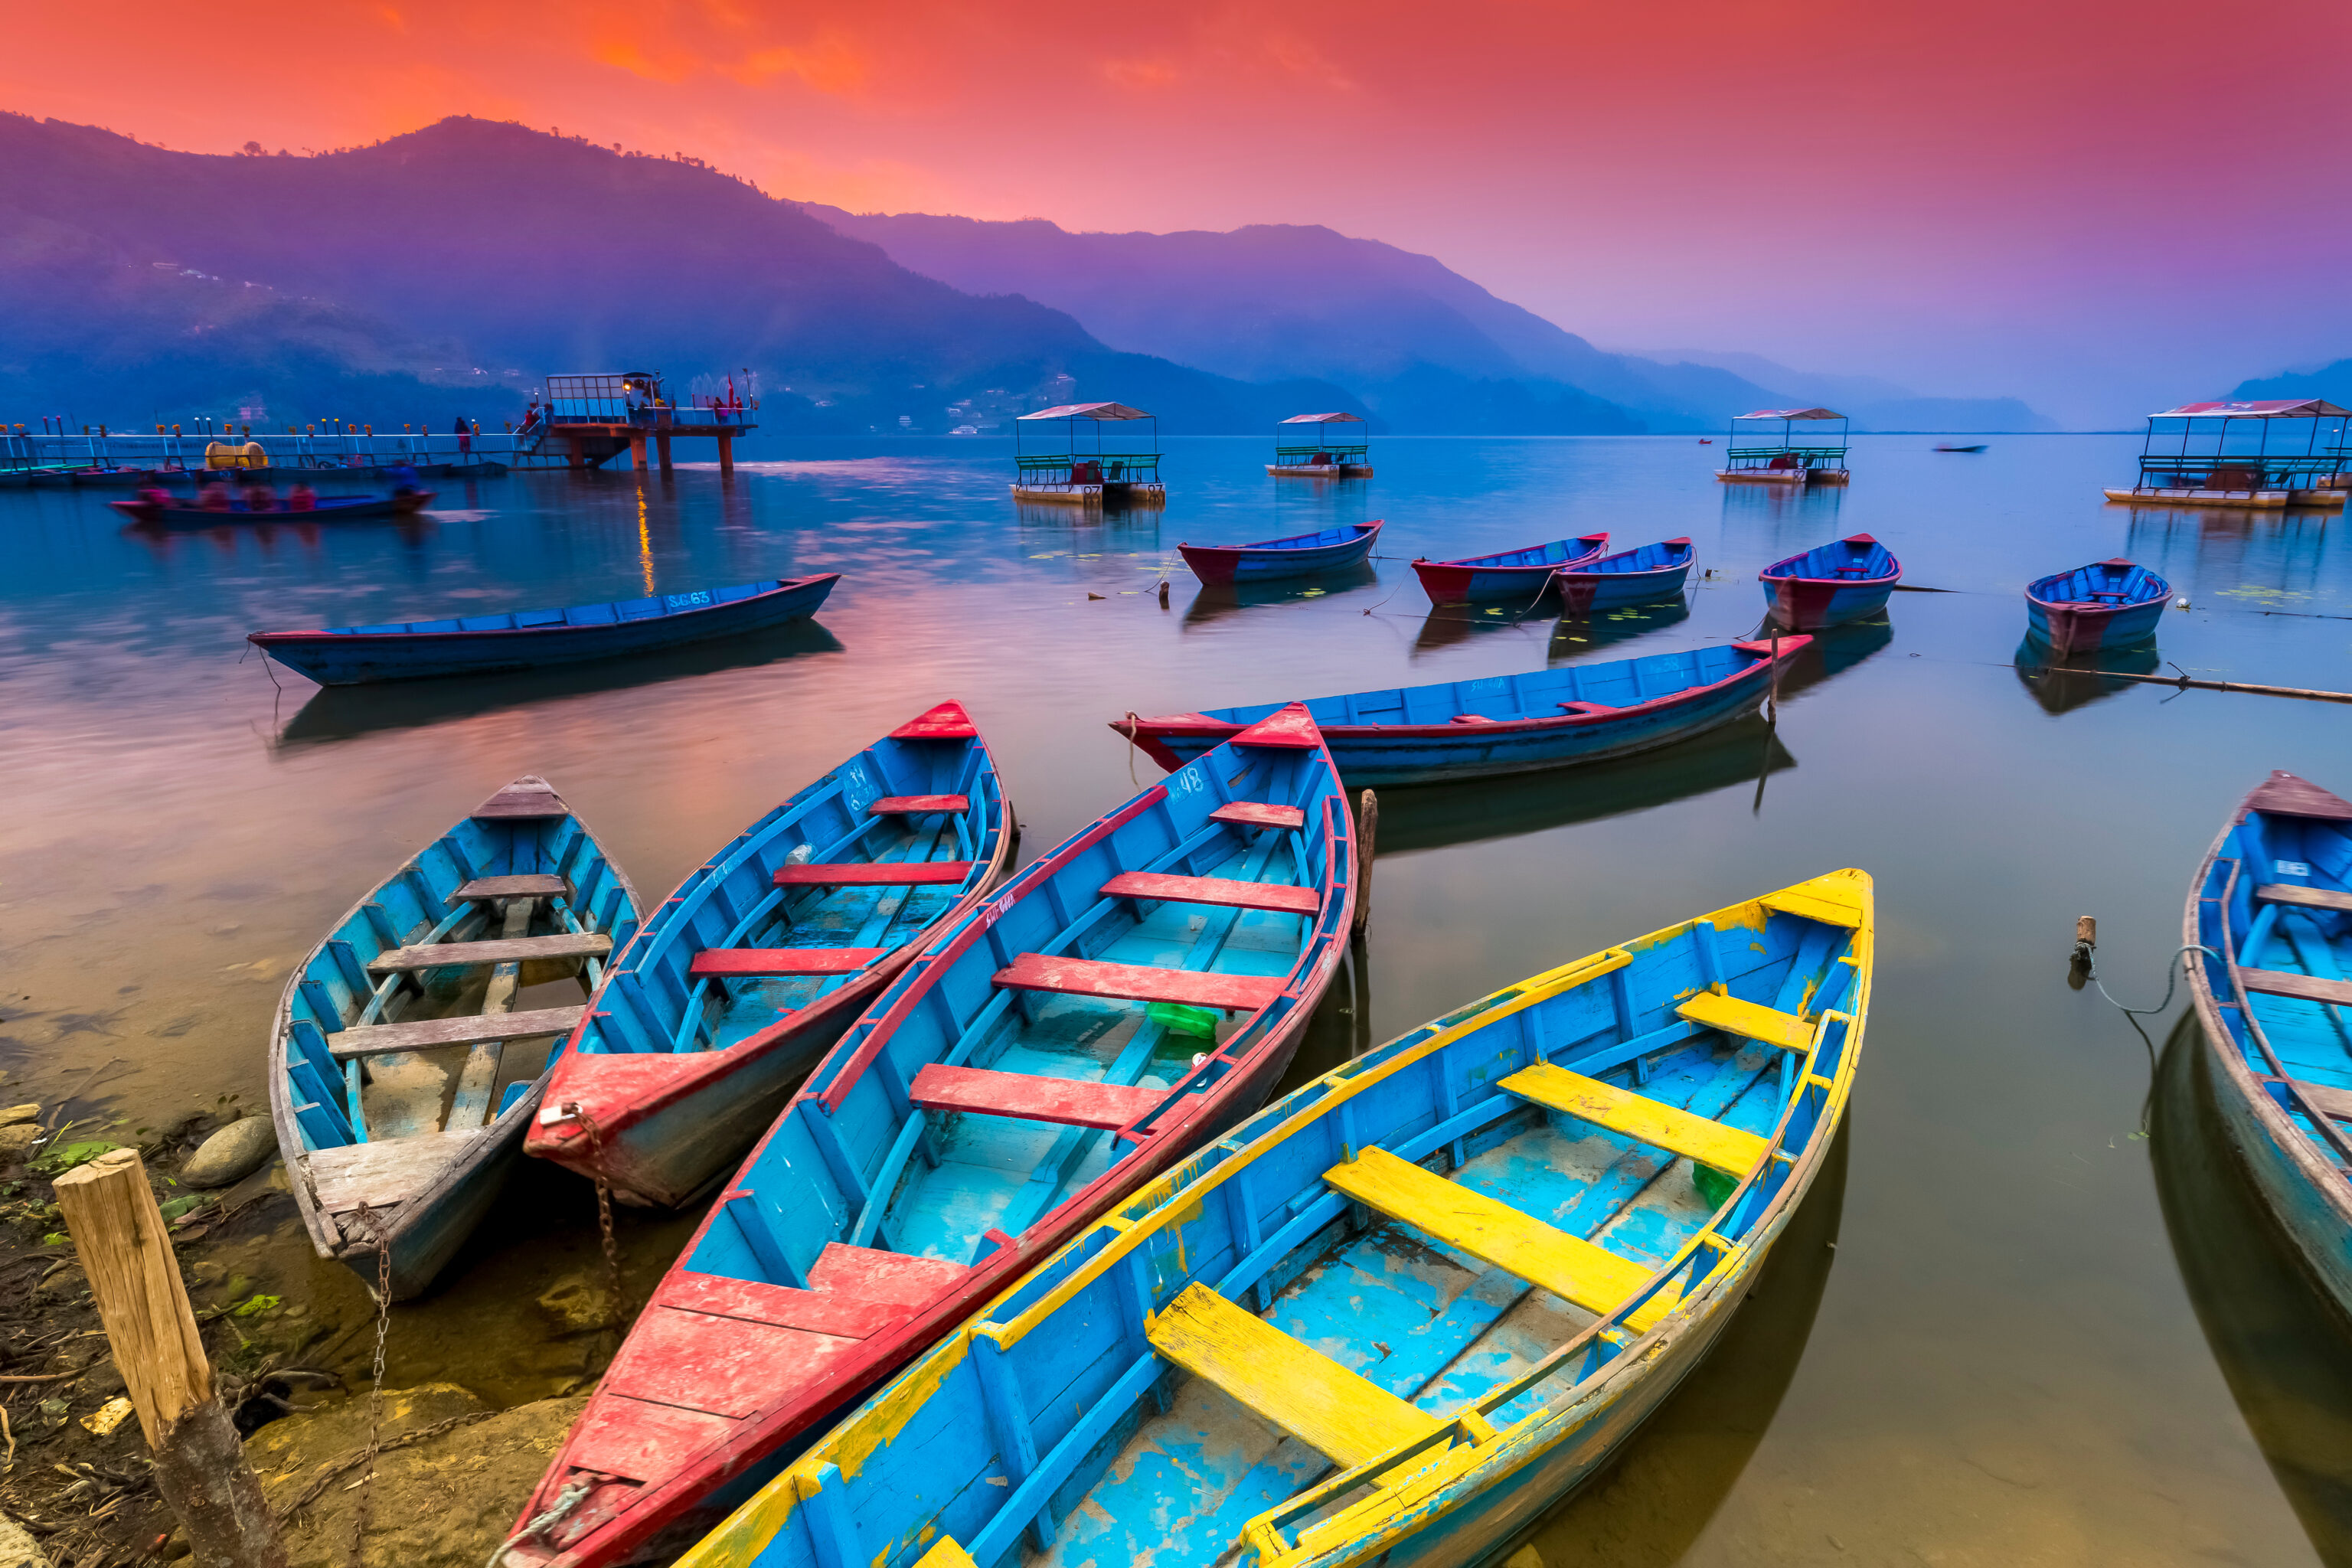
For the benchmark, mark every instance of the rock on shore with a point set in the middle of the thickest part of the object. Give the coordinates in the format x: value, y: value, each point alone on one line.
x: 231, y: 1154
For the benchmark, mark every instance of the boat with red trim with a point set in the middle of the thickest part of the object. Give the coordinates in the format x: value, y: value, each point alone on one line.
x: 2108, y: 604
x: 1643, y: 576
x: 1518, y: 576
x: 1299, y: 555
x: 1830, y: 584
x: 326, y: 508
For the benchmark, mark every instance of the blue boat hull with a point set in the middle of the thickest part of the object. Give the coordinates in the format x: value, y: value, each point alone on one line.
x: 354, y: 659
x: 1582, y: 593
x: 1807, y: 605
x: 1217, y: 564
x: 2070, y: 629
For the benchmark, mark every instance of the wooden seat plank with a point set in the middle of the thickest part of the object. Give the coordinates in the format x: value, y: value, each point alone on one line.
x: 1065, y: 1102
x: 385, y: 1172
x: 1832, y: 900
x: 1570, y: 1268
x: 431, y: 1034
x: 1726, y: 1148
x: 917, y: 804
x: 1257, y: 813
x: 1337, y: 1413
x: 525, y: 799
x: 2335, y: 1104
x: 1215, y: 890
x: 2305, y: 987
x: 1769, y: 1026
x: 748, y: 962
x: 874, y: 874
x: 1138, y: 983
x: 2306, y: 898
x: 537, y: 885
x: 501, y: 950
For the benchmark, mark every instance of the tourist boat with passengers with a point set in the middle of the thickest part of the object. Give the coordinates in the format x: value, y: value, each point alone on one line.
x: 1398, y: 1312
x: 1754, y: 456
x: 1122, y: 999
x: 1831, y: 584
x: 530, y: 639
x: 2268, y: 934
x: 1268, y: 559
x: 1509, y: 576
x: 2220, y: 455
x: 400, y: 1078
x: 1640, y: 576
x: 2108, y: 604
x: 178, y: 513
x: 1325, y: 456
x: 766, y: 954
x: 1504, y: 723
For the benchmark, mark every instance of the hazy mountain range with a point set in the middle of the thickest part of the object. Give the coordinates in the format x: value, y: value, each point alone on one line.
x: 2332, y: 381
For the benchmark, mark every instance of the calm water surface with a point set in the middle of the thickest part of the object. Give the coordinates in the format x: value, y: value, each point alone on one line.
x: 1983, y: 1343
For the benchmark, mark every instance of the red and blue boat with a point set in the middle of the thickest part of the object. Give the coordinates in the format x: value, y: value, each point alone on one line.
x: 767, y: 953
x: 2108, y: 604
x: 1503, y: 724
x: 528, y: 639
x: 1121, y: 1002
x: 1830, y: 584
x: 176, y: 513
x: 1642, y: 576
x: 1515, y: 576
x: 1300, y: 555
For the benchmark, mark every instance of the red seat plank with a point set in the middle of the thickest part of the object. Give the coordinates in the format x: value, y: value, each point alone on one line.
x: 1256, y: 814
x: 1064, y: 1100
x: 1138, y: 983
x: 873, y: 874
x: 728, y: 963
x: 917, y: 805
x: 1214, y: 890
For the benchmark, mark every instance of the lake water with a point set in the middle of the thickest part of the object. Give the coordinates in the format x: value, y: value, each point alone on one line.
x: 1982, y: 1343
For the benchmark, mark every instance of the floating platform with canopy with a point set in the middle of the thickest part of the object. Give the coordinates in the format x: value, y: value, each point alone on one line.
x: 1080, y: 473
x: 1751, y: 455
x: 2220, y: 455
x: 1330, y: 455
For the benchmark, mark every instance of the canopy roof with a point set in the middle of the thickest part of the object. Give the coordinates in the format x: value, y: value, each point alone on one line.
x: 1792, y: 414
x: 1090, y: 411
x: 1324, y: 419
x: 2277, y: 408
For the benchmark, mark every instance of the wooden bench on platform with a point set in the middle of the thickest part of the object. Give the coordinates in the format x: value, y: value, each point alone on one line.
x: 431, y: 1034
x: 917, y: 804
x: 1215, y: 890
x: 1748, y: 1021
x: 1140, y: 983
x: 1730, y: 1149
x: 874, y: 874
x: 1339, y: 1414
x: 1257, y: 813
x: 2305, y: 898
x: 1570, y: 1268
x: 2304, y: 987
x: 751, y: 962
x: 1065, y: 1102
x: 501, y: 950
x: 537, y: 885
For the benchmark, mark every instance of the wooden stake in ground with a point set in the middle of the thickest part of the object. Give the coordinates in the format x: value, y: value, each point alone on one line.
x: 119, y: 1235
x: 1368, y: 827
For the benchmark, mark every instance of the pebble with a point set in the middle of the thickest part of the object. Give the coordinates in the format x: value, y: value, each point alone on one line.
x: 18, y: 1549
x: 231, y: 1154
x: 15, y: 1113
x: 576, y: 1303
x: 16, y: 1141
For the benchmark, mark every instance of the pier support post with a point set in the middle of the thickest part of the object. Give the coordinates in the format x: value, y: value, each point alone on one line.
x: 637, y: 450
x: 661, y: 447
x: 119, y: 1235
x: 571, y: 443
x: 726, y: 451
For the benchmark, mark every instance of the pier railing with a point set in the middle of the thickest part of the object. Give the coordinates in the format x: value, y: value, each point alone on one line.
x: 35, y: 452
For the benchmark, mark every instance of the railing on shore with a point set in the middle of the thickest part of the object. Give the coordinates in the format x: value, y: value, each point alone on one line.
x: 36, y: 453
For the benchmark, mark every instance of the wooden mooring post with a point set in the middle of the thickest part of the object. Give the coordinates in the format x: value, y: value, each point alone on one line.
x: 1368, y: 827
x: 119, y: 1236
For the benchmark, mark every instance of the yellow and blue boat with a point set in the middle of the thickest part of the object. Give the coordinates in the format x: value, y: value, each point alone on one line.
x: 1398, y: 1312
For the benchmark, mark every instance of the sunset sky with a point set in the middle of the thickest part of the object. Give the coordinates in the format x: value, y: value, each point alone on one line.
x: 2099, y: 207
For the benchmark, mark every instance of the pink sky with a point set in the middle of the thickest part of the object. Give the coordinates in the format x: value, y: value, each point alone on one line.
x: 2099, y: 207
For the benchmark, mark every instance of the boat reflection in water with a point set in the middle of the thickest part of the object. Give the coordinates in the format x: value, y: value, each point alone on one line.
x: 2061, y: 686
x: 344, y: 712
x: 1833, y: 651
x: 2283, y: 1348
x: 1577, y: 635
x: 1216, y: 602
x: 1647, y: 1508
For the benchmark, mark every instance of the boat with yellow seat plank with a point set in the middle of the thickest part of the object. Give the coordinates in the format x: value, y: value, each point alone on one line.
x: 1395, y: 1314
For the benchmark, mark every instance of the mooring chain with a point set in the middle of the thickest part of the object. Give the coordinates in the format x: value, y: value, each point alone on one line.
x: 368, y: 1222
x: 578, y: 1114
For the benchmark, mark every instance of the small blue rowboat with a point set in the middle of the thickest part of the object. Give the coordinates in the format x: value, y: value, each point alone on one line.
x: 359, y: 1068
x: 2271, y: 910
x: 526, y: 639
x: 1121, y: 1001
x: 753, y: 968
x: 1642, y: 576
x: 1831, y: 584
x: 1331, y: 550
x: 1512, y: 576
x: 2110, y: 604
x: 1503, y: 724
x: 1394, y: 1315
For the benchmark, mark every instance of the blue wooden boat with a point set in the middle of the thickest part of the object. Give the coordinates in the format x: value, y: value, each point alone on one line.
x: 1640, y: 576
x: 1830, y: 584
x: 1326, y: 550
x: 2108, y: 604
x: 528, y: 639
x: 1122, y: 999
x: 1393, y: 1316
x: 766, y: 954
x: 1510, y: 576
x: 1503, y: 724
x: 328, y: 509
x: 387, y: 1022
x: 2271, y: 915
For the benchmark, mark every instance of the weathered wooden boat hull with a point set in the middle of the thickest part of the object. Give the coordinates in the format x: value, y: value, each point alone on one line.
x: 1493, y: 579
x: 2305, y: 1191
x: 330, y: 509
x: 1278, y: 558
x: 359, y: 658
x: 1586, y: 589
x: 2256, y: 501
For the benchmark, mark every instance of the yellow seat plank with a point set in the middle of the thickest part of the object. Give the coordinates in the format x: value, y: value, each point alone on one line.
x: 1832, y: 900
x: 1715, y: 1010
x: 945, y: 1552
x: 1726, y: 1148
x: 1307, y: 1393
x: 1570, y: 1268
